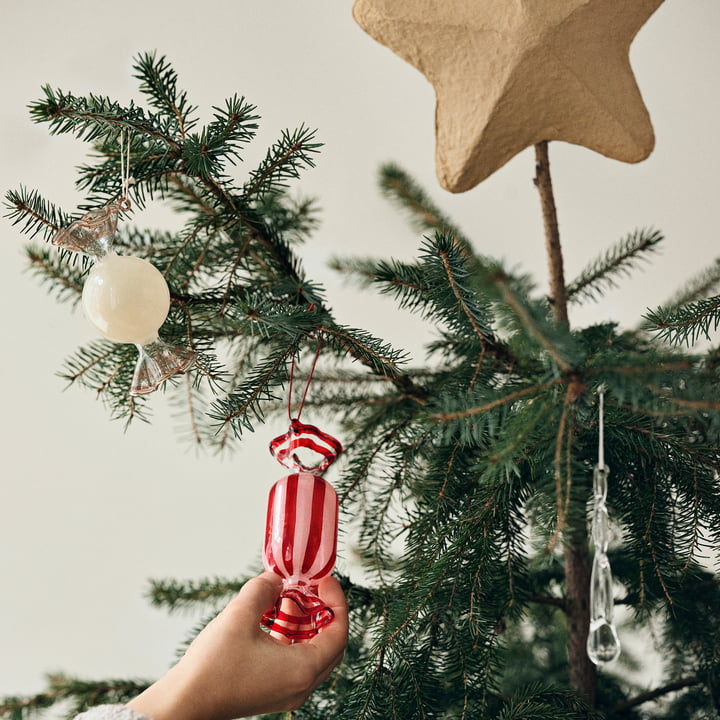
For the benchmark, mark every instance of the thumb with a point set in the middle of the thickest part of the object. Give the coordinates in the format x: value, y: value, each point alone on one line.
x: 256, y: 597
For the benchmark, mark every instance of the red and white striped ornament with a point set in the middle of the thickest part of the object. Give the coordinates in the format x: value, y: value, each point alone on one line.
x: 301, y: 532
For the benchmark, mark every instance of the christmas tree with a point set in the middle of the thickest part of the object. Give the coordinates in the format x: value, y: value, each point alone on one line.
x: 468, y: 478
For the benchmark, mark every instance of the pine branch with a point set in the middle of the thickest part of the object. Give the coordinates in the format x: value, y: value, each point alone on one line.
x: 99, y: 118
x: 554, y: 341
x: 158, y: 82
x: 617, y: 261
x: 375, y: 354
x: 81, y: 694
x: 65, y: 280
x: 405, y: 281
x: 246, y: 404
x: 107, y: 368
x: 697, y: 288
x: 399, y: 187
x: 442, y: 287
x: 539, y: 702
x: 503, y: 399
x: 687, y: 324
x: 178, y: 596
x: 35, y: 214
x: 462, y: 310
x: 284, y: 161
x: 206, y: 153
x: 547, y: 600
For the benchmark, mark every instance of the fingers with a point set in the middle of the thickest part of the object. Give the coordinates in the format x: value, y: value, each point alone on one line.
x: 332, y: 595
x: 330, y: 643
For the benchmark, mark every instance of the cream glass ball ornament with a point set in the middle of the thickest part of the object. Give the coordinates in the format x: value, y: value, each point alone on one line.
x: 125, y: 297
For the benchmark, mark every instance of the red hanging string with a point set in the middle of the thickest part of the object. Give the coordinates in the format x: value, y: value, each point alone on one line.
x: 307, y: 384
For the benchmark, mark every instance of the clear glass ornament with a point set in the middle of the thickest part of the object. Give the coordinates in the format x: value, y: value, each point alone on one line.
x: 125, y: 298
x: 603, y: 644
x: 301, y: 532
x: 600, y: 482
x: 601, y: 589
x: 600, y: 528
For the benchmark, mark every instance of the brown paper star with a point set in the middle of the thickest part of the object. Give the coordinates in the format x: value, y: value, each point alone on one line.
x: 511, y: 73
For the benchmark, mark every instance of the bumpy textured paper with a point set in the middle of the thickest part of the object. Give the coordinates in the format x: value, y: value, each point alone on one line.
x: 511, y: 73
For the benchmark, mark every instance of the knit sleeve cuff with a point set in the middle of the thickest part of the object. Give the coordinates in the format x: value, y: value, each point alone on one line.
x: 111, y: 712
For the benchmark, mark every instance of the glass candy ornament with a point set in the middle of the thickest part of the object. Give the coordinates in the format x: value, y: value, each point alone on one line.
x: 301, y: 531
x: 125, y: 298
x: 603, y: 643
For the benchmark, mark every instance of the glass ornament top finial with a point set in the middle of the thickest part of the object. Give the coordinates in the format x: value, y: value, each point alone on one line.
x: 321, y: 448
x: 94, y: 232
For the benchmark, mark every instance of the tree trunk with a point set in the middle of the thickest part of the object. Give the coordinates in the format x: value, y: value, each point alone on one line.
x: 583, y: 674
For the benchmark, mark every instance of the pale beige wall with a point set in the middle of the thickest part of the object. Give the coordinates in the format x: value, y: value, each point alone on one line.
x: 88, y: 513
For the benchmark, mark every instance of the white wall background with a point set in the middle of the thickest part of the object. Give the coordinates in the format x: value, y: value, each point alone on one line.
x: 88, y: 513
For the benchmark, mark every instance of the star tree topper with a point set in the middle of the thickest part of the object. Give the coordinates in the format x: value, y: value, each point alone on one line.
x: 511, y: 73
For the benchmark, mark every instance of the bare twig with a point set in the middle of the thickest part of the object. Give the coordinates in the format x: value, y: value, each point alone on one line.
x: 656, y: 693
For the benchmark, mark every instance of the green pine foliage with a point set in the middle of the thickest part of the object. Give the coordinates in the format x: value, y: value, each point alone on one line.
x: 463, y: 474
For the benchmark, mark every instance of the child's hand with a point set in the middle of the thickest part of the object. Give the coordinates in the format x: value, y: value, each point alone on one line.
x: 234, y: 668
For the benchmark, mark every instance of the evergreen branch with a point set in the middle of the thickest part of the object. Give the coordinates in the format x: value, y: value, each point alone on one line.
x: 498, y: 402
x: 405, y: 280
x: 548, y: 600
x: 99, y: 118
x: 82, y: 693
x: 231, y: 282
x: 189, y: 242
x: 697, y: 288
x: 399, y: 187
x: 681, y: 402
x: 539, y: 702
x: 188, y: 196
x: 471, y: 312
x: 648, y: 538
x: 284, y: 161
x: 378, y: 356
x: 655, y: 694
x: 158, y: 82
x: 205, y: 153
x: 175, y: 595
x: 531, y: 323
x: 618, y: 260
x: 107, y: 368
x: 66, y: 280
x: 247, y: 400
x: 686, y: 324
x: 37, y: 215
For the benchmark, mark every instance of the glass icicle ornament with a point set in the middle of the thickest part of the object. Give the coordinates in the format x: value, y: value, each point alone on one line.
x: 125, y: 298
x: 301, y: 531
x: 603, y: 644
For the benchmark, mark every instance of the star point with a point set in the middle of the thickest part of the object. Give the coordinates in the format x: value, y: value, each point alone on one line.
x: 509, y: 75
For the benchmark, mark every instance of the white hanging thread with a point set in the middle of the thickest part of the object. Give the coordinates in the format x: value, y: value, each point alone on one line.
x: 603, y: 644
x: 125, y: 179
